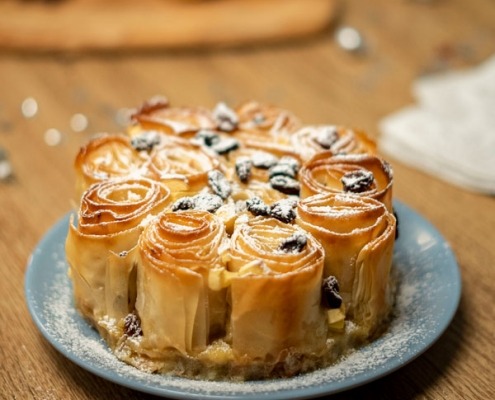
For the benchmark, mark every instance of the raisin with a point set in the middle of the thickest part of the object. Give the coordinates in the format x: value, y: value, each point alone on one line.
x: 184, y: 203
x: 282, y: 169
x: 326, y: 137
x: 290, y: 162
x: 243, y: 167
x: 225, y: 146
x: 257, y: 206
x: 207, y: 138
x: 330, y: 296
x: 357, y: 181
x: 283, y: 210
x: 285, y: 184
x: 219, y: 184
x: 145, y: 141
x: 294, y: 244
x: 207, y: 202
x: 263, y: 160
x: 132, y: 325
x: 225, y: 117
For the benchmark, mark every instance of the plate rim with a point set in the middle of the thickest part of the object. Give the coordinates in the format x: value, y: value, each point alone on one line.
x: 302, y: 392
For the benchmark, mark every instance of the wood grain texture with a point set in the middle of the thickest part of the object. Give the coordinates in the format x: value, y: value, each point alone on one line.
x: 320, y: 83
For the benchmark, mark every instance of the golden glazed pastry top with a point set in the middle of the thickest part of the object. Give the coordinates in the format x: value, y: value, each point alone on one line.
x: 232, y: 243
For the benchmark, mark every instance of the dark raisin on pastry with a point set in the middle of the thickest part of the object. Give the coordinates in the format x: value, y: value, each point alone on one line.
x: 207, y: 137
x: 294, y: 244
x: 184, y: 203
x: 357, y: 181
x: 263, y: 160
x: 219, y: 184
x: 326, y: 137
x: 132, y: 325
x: 285, y: 184
x: 257, y: 206
x: 226, y: 118
x: 202, y: 201
x: 283, y: 210
x: 290, y: 162
x: 282, y: 169
x: 225, y: 146
x: 207, y: 202
x: 243, y: 166
x: 330, y: 296
x: 146, y: 141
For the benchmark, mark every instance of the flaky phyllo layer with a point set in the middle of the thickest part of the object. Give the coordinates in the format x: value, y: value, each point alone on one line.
x: 232, y: 243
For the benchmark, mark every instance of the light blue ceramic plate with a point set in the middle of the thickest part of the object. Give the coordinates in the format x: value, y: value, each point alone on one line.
x: 428, y: 296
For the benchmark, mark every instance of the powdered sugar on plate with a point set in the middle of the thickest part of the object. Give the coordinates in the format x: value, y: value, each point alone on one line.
x: 427, y: 297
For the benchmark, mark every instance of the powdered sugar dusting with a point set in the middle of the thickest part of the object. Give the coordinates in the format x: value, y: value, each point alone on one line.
x: 421, y: 304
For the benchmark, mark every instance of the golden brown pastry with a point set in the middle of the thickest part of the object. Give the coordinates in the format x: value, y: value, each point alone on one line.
x: 232, y: 243
x: 313, y: 139
x: 176, y: 307
x: 157, y: 114
x: 182, y: 165
x: 107, y: 156
x: 358, y: 235
x: 276, y: 293
x: 358, y: 174
x: 100, y: 245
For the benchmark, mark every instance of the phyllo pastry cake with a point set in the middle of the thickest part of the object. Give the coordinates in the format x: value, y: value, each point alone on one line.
x: 232, y: 243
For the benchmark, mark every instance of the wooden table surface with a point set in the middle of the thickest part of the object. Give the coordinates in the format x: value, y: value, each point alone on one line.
x: 315, y: 79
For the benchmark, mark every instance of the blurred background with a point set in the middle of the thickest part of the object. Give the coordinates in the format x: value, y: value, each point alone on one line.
x: 417, y: 75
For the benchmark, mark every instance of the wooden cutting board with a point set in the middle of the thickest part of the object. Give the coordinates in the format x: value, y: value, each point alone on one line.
x: 75, y: 25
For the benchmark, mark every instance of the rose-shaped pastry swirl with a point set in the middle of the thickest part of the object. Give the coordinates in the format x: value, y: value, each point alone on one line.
x: 313, y: 139
x: 182, y: 165
x: 357, y: 174
x: 176, y: 306
x: 101, y: 247
x: 107, y: 156
x: 257, y: 117
x: 358, y: 235
x: 277, y: 289
x: 183, y: 121
x: 266, y: 127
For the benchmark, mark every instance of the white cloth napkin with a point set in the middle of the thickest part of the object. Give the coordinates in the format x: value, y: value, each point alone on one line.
x: 450, y: 132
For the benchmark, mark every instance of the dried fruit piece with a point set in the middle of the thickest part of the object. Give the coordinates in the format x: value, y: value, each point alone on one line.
x: 207, y: 137
x: 132, y: 325
x: 225, y: 117
x: 257, y: 206
x: 202, y: 201
x: 326, y: 137
x: 285, y: 184
x: 283, y: 210
x: 184, y: 203
x: 219, y: 184
x: 207, y: 202
x: 282, y: 169
x: 357, y: 181
x: 290, y: 162
x: 225, y: 146
x: 243, y: 167
x: 294, y: 244
x: 146, y: 141
x: 330, y: 296
x: 263, y: 160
